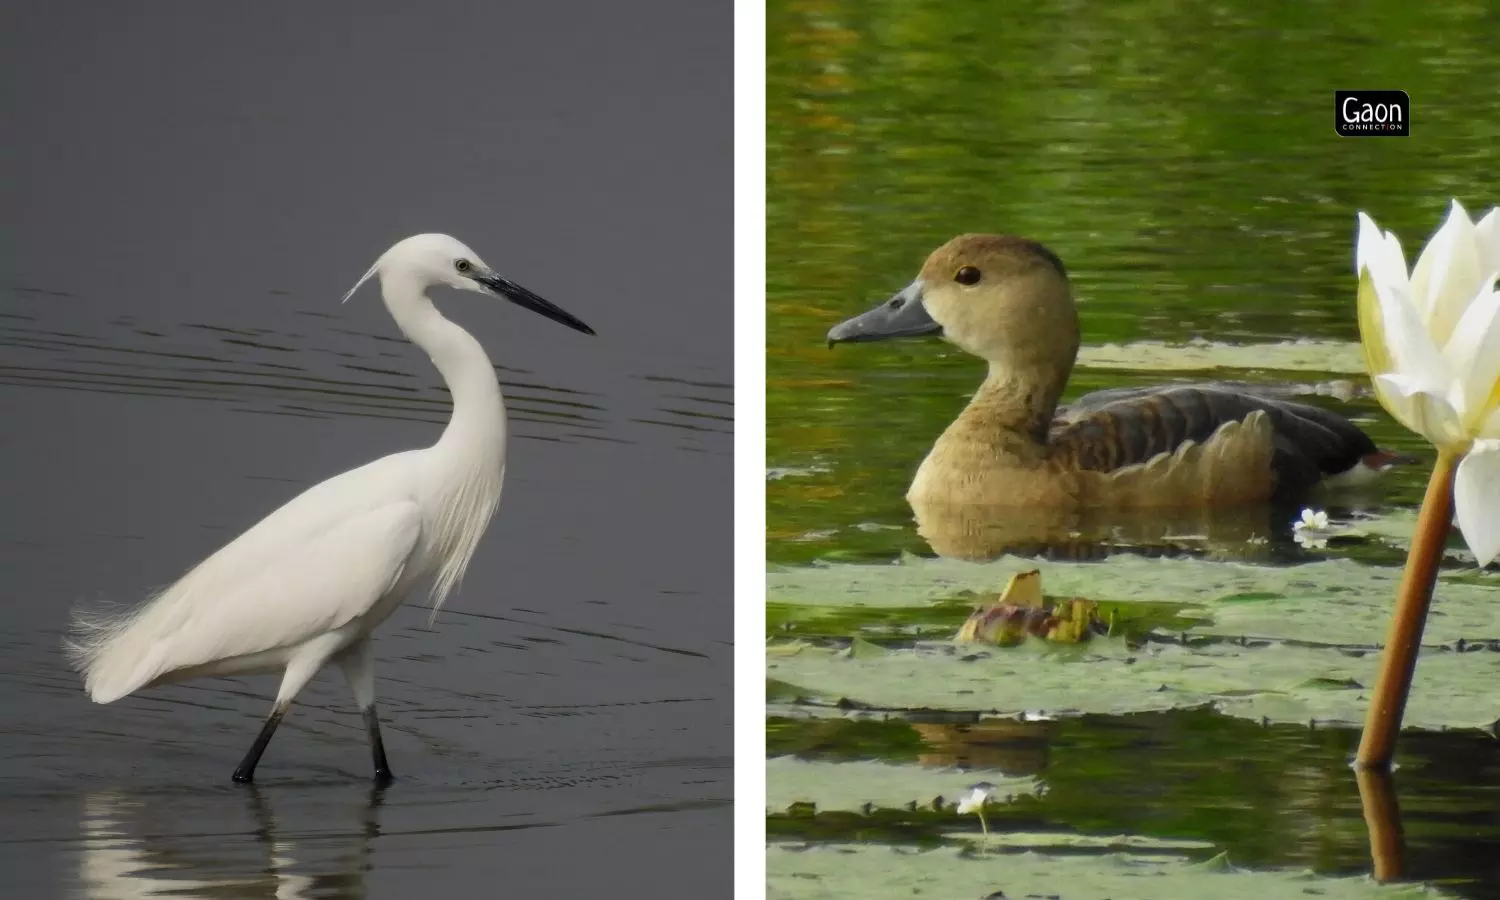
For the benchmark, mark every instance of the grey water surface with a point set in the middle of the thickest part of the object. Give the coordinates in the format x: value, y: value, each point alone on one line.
x: 189, y: 190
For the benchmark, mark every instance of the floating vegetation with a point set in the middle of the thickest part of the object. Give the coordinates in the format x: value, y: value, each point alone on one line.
x: 1022, y: 612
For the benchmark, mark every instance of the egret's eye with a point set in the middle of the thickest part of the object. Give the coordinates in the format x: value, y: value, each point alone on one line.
x: 967, y: 275
x: 463, y: 265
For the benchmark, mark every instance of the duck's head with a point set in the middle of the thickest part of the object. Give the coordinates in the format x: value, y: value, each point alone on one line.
x: 1001, y: 298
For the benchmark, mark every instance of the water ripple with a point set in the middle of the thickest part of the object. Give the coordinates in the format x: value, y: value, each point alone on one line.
x: 281, y: 372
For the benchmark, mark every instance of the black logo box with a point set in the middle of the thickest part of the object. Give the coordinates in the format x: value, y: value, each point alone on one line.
x: 1372, y: 113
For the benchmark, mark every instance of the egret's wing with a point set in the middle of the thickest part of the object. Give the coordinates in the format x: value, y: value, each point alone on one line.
x: 325, y: 505
x: 255, y: 597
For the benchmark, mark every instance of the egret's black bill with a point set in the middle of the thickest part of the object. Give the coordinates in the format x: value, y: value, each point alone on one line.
x: 522, y: 297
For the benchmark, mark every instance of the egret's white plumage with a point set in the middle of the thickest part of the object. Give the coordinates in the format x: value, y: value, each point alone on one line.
x: 308, y: 584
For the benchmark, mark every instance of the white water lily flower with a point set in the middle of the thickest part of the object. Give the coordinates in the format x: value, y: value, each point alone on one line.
x: 1432, y: 346
x: 975, y: 799
x: 1312, y: 520
x: 1312, y: 530
x: 973, y: 802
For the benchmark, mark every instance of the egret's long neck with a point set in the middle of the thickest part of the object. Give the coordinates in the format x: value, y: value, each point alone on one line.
x: 478, y: 420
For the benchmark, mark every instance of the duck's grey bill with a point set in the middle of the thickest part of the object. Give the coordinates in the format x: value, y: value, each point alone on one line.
x: 522, y: 297
x: 901, y: 316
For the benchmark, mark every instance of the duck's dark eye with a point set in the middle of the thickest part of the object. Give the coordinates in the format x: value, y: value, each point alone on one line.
x: 463, y: 265
x: 967, y: 275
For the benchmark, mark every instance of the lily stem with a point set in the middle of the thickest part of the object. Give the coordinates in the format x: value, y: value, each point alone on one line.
x: 1377, y: 797
x: 1404, y: 637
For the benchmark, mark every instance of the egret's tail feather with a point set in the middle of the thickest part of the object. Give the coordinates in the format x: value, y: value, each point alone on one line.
x: 113, y: 658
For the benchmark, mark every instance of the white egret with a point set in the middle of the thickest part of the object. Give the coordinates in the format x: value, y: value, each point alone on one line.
x: 309, y: 584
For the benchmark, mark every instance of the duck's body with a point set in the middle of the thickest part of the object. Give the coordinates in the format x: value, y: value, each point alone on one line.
x: 1177, y: 445
x: 1008, y: 301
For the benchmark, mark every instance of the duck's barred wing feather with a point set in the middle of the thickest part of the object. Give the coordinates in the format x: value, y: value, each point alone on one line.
x: 1109, y: 430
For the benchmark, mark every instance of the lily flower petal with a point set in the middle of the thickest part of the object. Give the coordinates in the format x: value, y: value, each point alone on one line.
x: 1372, y: 329
x: 1447, y: 275
x: 1397, y: 347
x: 1379, y: 252
x: 1412, y: 349
x: 975, y: 799
x: 1487, y: 239
x: 1490, y: 430
x: 1473, y: 356
x: 1421, y: 408
x: 1476, y: 499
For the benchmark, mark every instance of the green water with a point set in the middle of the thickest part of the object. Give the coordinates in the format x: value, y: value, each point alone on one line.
x: 1182, y: 161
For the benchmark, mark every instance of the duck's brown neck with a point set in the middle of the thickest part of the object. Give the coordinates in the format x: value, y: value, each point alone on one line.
x: 1015, y: 404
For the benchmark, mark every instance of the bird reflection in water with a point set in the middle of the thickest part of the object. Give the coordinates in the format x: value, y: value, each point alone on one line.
x: 132, y: 848
x: 1012, y: 746
x: 978, y: 532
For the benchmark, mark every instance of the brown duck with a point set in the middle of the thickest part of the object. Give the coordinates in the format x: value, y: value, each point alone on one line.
x: 1007, y: 300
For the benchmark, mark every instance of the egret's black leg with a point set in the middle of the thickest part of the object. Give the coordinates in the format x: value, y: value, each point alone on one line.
x: 246, y: 771
x: 358, y: 663
x: 377, y: 746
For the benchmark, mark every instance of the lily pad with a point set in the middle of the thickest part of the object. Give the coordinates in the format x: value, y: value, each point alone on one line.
x: 852, y: 785
x: 785, y: 692
x: 1277, y: 682
x: 872, y: 872
x: 1334, y: 357
x: 1336, y: 601
x: 859, y: 648
x: 1045, y: 840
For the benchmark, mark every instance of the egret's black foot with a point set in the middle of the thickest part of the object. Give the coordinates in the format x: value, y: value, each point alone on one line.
x: 383, y: 774
x: 245, y: 774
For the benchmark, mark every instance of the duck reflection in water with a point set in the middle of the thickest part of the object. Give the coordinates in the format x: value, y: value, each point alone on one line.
x: 1128, y: 464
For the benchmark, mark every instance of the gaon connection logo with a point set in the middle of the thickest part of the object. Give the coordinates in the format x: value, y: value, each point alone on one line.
x: 1372, y: 113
